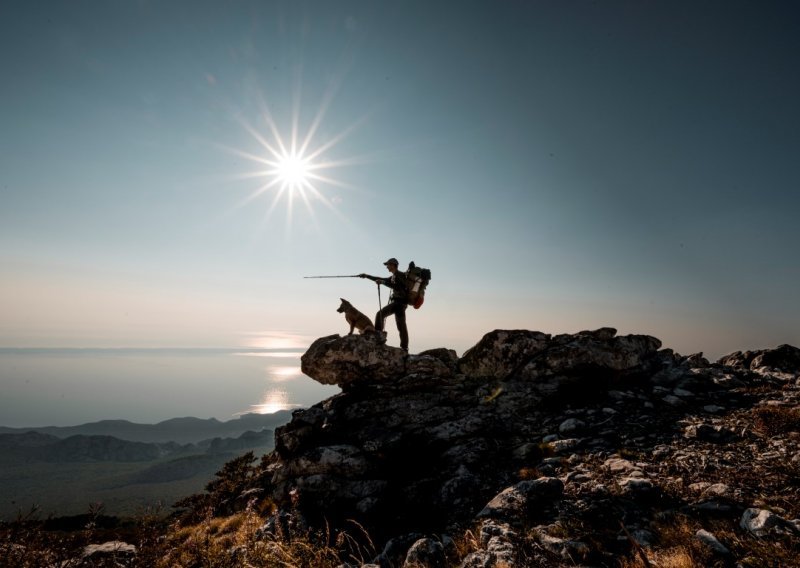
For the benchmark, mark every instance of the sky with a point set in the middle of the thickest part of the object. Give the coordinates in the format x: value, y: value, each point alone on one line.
x: 558, y: 166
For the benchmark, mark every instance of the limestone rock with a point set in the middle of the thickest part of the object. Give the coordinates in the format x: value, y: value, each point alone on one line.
x: 569, y: 550
x: 619, y: 465
x: 761, y: 522
x: 782, y: 358
x: 513, y: 503
x: 712, y: 542
x: 591, y: 360
x: 708, y: 433
x: 593, y: 352
x: 437, y: 363
x: 500, y: 352
x: 498, y: 543
x: 344, y: 361
x: 571, y: 425
x: 427, y: 553
x: 113, y: 549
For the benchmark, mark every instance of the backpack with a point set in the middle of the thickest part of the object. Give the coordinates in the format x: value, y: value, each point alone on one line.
x: 416, y: 281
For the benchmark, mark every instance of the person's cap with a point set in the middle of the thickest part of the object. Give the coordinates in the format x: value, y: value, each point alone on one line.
x: 392, y: 261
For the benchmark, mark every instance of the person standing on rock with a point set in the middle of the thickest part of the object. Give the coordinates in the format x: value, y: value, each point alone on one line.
x: 398, y: 301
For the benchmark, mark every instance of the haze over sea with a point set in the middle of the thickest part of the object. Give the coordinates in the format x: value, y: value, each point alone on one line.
x: 65, y: 387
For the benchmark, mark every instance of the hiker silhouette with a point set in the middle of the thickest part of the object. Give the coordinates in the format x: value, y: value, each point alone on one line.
x: 398, y: 300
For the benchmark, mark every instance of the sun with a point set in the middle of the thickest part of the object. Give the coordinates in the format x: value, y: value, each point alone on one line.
x: 292, y: 166
x: 294, y: 171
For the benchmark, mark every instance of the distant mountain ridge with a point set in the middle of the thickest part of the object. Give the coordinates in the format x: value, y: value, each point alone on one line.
x: 64, y: 475
x: 185, y: 430
x: 34, y: 446
x: 37, y: 447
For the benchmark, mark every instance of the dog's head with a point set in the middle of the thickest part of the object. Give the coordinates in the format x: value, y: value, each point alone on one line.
x: 344, y: 305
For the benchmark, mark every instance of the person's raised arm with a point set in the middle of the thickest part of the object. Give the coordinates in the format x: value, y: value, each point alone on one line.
x: 378, y: 279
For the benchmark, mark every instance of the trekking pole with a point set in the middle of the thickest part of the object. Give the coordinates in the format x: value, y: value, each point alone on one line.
x: 347, y: 276
x: 380, y: 306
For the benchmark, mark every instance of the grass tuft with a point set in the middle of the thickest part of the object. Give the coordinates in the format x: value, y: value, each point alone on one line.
x: 775, y: 420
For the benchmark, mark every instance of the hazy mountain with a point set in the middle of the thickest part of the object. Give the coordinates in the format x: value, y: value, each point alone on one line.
x: 37, y: 447
x: 247, y: 440
x: 63, y: 476
x: 188, y: 430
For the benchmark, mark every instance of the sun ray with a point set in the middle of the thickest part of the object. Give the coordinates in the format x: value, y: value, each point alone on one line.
x: 260, y: 191
x: 318, y: 118
x: 266, y: 115
x: 260, y: 139
x: 336, y: 139
x: 331, y: 181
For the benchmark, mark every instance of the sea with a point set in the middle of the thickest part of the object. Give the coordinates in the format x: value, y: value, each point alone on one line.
x: 67, y: 387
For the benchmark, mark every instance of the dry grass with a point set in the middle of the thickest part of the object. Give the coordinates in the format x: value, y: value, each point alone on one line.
x: 678, y: 557
x: 466, y: 543
x: 775, y: 420
x: 774, y: 551
x: 216, y: 542
x: 679, y: 547
x: 527, y: 473
x: 239, y: 540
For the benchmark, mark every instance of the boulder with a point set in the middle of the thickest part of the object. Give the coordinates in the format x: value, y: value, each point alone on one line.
x: 500, y: 352
x: 783, y: 358
x: 113, y: 549
x: 760, y: 522
x: 712, y: 542
x: 579, y: 352
x: 346, y: 361
x: 425, y: 552
x: 516, y: 502
x: 436, y: 362
x: 588, y: 359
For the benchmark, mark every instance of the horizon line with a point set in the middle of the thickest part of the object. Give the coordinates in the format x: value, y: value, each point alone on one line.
x: 231, y: 349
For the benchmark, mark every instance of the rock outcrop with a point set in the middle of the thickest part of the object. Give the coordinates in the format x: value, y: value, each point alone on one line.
x: 538, y: 432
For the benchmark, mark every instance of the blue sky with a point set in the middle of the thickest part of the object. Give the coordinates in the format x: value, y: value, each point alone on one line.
x: 558, y: 165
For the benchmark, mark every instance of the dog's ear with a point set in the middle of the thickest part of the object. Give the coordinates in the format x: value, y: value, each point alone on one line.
x: 342, y: 299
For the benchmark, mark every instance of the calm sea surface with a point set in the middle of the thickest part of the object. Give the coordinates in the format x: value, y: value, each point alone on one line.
x: 65, y: 387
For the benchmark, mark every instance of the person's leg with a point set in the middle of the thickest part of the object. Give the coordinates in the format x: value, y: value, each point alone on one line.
x: 380, y: 317
x: 400, y: 319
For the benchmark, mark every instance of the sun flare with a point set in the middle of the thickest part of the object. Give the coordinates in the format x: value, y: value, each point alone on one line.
x: 294, y: 166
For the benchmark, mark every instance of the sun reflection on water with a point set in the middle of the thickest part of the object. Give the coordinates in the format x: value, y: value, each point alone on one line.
x: 283, y: 374
x: 286, y: 345
x: 275, y: 354
x: 276, y: 340
x: 273, y: 401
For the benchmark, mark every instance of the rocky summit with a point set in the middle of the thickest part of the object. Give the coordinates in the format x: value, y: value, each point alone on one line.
x: 575, y: 449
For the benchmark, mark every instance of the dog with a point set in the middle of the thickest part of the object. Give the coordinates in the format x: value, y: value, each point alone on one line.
x: 356, y: 319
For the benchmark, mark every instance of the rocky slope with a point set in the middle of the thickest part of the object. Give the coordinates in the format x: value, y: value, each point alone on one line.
x: 573, y: 449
